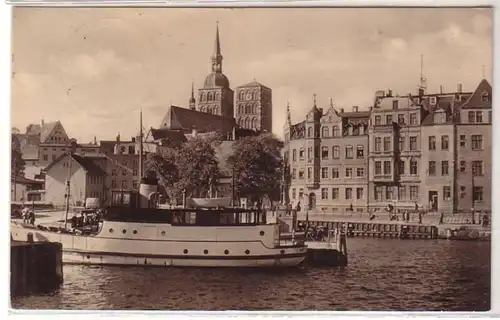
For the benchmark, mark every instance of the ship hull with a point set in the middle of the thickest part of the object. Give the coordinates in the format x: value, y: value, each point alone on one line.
x: 102, y: 250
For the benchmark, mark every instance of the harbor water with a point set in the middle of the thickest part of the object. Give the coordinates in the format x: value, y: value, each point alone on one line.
x: 383, y: 275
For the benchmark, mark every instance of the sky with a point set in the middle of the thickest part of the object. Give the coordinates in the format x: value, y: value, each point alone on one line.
x: 93, y: 69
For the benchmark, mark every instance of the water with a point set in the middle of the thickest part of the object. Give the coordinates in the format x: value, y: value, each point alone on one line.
x: 383, y: 274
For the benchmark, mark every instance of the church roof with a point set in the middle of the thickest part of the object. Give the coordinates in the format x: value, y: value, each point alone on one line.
x: 215, y: 80
x: 254, y: 84
x: 178, y: 118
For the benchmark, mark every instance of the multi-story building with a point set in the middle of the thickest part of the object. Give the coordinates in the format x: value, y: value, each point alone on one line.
x: 430, y: 149
x: 327, y: 160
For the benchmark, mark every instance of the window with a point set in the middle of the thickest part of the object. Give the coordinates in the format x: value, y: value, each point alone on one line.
x: 336, y: 131
x: 325, y: 132
x: 348, y: 152
x: 478, y: 194
x: 432, y: 143
x: 439, y: 118
x: 113, y: 183
x: 124, y: 172
x: 413, y: 167
x: 413, y: 143
x: 471, y: 116
x: 324, y: 173
x: 477, y: 168
x: 301, y: 193
x: 462, y: 192
x: 309, y: 132
x: 135, y: 184
x: 378, y: 167
x: 348, y: 172
x: 490, y: 117
x: 479, y: 116
x: 413, y: 192
x: 309, y: 173
x: 401, y: 143
x: 359, y: 193
x: 301, y: 153
x: 360, y: 152
x: 335, y: 193
x: 401, y: 167
x: 113, y: 172
x: 388, y: 119
x: 124, y: 184
x: 402, y: 193
x: 394, y: 104
x: 324, y: 152
x: 378, y: 193
x: 445, y: 141
x: 135, y: 172
x: 301, y: 174
x: 446, y: 193
x: 387, y: 143
x: 335, y: 173
x: 389, y: 193
x: 377, y: 120
x: 463, y: 166
x: 324, y: 193
x: 45, y: 157
x: 477, y: 142
x: 463, y: 140
x: 348, y: 193
x: 401, y: 119
x: 444, y: 168
x: 360, y: 172
x: 387, y: 167
x: 294, y: 155
x: 294, y: 193
x: 378, y: 143
x: 336, y: 152
x: 413, y: 119
x: 432, y: 168
x: 309, y: 153
x: 485, y: 97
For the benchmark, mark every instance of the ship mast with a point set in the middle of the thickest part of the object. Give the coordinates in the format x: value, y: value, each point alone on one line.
x: 140, y: 150
x: 68, y: 190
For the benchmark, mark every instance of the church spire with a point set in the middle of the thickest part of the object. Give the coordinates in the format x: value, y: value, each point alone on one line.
x: 192, y: 100
x: 217, y: 56
x: 288, y: 115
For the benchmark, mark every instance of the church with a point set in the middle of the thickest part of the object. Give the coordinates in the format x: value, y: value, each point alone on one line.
x: 246, y: 109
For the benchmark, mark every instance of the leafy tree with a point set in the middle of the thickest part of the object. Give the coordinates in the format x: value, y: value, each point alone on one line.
x: 161, y: 165
x: 198, y: 166
x: 16, y: 160
x: 258, y: 166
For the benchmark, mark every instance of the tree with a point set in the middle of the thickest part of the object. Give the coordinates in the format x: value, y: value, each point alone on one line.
x: 198, y: 166
x: 161, y: 165
x: 258, y: 166
x: 16, y: 160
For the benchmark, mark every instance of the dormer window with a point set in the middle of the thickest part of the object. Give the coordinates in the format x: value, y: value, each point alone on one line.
x: 433, y: 101
x: 486, y: 96
x: 439, y: 117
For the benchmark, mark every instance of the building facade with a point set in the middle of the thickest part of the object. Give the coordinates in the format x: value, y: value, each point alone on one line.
x: 253, y: 107
x: 429, y: 149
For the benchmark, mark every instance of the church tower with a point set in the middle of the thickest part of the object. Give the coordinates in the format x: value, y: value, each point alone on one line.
x: 216, y: 97
x: 192, y: 100
x: 254, y: 107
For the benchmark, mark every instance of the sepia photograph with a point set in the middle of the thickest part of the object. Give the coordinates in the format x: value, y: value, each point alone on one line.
x: 254, y: 159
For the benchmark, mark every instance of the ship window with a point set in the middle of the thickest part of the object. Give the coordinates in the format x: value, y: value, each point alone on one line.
x: 205, y: 251
x: 111, y: 230
x: 226, y: 251
x: 135, y: 231
x: 247, y: 251
x: 282, y: 251
x: 124, y: 231
x: 262, y: 233
x: 163, y: 233
x: 185, y: 251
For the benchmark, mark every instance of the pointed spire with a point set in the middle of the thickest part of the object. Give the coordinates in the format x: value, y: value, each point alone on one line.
x: 288, y: 114
x: 331, y: 103
x: 484, y: 72
x: 217, y: 56
x: 192, y: 100
x: 314, y: 97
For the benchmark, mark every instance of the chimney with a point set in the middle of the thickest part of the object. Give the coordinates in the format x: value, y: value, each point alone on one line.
x: 133, y: 139
x: 459, y: 88
x: 118, y: 138
x: 355, y: 109
x: 441, y: 89
x: 341, y: 110
x: 42, y: 122
x: 389, y: 93
x: 95, y: 140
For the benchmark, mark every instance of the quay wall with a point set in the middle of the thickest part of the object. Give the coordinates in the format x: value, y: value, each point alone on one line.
x: 35, y: 267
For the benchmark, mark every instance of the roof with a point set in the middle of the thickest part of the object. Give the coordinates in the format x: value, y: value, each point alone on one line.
x: 444, y: 104
x: 44, y: 130
x: 359, y: 114
x: 107, y: 146
x: 215, y: 80
x: 168, y: 134
x: 254, y: 84
x: 476, y: 99
x: 24, y: 180
x: 86, y: 162
x: 178, y: 118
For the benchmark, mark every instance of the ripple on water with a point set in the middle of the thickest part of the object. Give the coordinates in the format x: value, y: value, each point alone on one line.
x: 383, y: 274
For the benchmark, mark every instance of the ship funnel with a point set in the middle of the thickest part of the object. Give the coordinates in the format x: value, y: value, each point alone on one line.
x: 147, y: 187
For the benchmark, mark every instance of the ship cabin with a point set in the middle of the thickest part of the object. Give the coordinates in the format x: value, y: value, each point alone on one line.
x: 126, y: 207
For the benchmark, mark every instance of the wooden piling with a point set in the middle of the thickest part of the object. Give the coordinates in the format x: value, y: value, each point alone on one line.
x: 35, y: 267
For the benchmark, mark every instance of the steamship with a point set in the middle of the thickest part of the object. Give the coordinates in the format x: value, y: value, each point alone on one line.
x: 134, y: 230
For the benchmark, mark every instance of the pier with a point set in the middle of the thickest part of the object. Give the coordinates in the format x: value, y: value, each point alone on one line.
x: 35, y: 267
